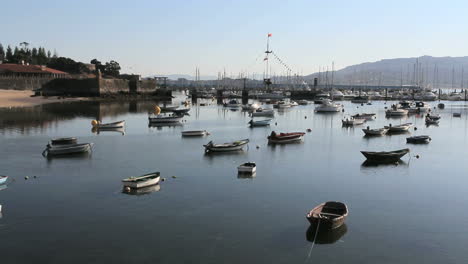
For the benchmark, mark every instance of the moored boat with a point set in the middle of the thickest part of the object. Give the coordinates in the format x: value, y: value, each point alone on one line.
x: 375, y: 132
x: 328, y: 106
x: 351, y: 121
x: 142, y: 181
x: 194, y: 133
x: 396, y: 112
x: 63, y: 141
x: 225, y: 147
x: 329, y: 215
x: 367, y: 116
x: 165, y: 118
x: 113, y: 125
x: 399, y: 128
x: 284, y: 138
x: 52, y: 150
x: 385, y: 156
x: 181, y: 111
x: 303, y: 102
x: 263, y: 112
x: 256, y: 123
x: 418, y: 139
x: 248, y: 167
x: 3, y: 179
x: 430, y: 121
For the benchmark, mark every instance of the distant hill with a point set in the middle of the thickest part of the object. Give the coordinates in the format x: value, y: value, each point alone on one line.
x: 431, y: 72
x: 184, y: 76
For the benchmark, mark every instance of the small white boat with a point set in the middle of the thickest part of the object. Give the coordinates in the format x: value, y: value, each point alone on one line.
x: 142, y: 181
x: 67, y: 149
x: 263, y: 112
x: 328, y: 106
x: 294, y: 103
x: 114, y: 125
x: 399, y: 128
x: 351, y: 121
x: 165, y: 118
x: 256, y: 123
x: 226, y: 147
x: 3, y: 179
x: 248, y: 167
x: 285, y: 138
x: 63, y: 141
x: 396, y: 112
x: 366, y: 116
x: 194, y: 133
x: 282, y: 105
x: 250, y: 107
x: 375, y: 132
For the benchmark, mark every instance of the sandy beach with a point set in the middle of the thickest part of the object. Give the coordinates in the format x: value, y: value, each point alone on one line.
x: 14, y: 98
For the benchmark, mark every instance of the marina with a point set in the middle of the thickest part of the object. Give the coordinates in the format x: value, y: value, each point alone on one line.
x: 207, y: 187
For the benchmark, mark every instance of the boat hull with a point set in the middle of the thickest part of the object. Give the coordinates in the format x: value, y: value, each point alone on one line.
x: 375, y: 132
x: 194, y: 133
x: 161, y: 120
x: 226, y: 147
x: 385, y: 156
x: 68, y: 149
x: 137, y: 185
x: 3, y: 179
x: 115, y: 125
x: 315, y: 216
x: 64, y: 141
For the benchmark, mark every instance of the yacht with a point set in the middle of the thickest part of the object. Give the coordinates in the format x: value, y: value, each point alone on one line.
x: 328, y: 106
x: 337, y: 95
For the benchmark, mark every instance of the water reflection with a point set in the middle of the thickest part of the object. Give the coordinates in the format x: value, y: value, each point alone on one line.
x: 74, y: 156
x: 163, y: 125
x: 246, y: 175
x: 3, y: 187
x: 97, y: 130
x: 325, y: 236
x: 144, y: 190
x: 368, y: 163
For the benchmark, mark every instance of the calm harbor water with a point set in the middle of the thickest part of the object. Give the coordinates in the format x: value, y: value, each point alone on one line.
x: 73, y: 211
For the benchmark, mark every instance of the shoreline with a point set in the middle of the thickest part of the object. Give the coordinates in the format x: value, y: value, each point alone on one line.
x: 15, y: 98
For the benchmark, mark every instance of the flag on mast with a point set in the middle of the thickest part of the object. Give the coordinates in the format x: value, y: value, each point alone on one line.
x: 269, y: 34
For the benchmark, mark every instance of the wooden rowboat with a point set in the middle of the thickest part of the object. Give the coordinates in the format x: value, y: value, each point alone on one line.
x: 418, y: 139
x: 165, y: 119
x: 385, y: 156
x: 67, y: 149
x: 142, y: 181
x: 63, y: 141
x: 225, y: 147
x: 248, y: 167
x: 399, y: 128
x: 194, y: 133
x: 374, y: 132
x: 284, y: 138
x: 329, y: 215
x: 113, y: 125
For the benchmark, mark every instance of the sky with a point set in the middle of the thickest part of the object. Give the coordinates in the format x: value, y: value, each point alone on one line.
x: 174, y: 37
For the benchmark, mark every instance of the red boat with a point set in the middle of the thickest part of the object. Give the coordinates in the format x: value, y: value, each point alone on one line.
x: 283, y: 138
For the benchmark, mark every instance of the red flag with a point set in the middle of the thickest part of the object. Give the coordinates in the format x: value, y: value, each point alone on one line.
x: 269, y: 34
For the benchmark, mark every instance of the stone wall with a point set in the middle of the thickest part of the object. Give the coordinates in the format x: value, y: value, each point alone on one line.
x: 23, y: 83
x: 71, y: 87
x: 146, y: 86
x: 113, y: 86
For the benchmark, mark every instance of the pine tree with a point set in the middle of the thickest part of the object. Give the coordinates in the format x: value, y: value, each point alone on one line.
x: 16, y: 55
x: 2, y: 53
x: 9, y: 54
x: 34, y: 56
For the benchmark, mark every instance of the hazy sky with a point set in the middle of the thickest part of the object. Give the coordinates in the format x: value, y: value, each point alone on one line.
x: 167, y: 37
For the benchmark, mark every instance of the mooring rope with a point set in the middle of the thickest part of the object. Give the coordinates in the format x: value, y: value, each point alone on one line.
x: 313, y: 242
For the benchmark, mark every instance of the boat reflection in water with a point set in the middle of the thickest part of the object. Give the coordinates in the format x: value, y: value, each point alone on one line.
x: 3, y: 187
x: 246, y: 175
x: 324, y: 235
x: 143, y: 191
x: 97, y: 130
x: 160, y: 126
x: 370, y: 164
x: 75, y: 156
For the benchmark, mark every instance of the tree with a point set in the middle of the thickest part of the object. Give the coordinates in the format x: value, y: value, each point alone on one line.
x: 2, y: 53
x: 16, y: 55
x: 9, y: 54
x: 34, y: 57
x: 98, y: 65
x: 67, y: 65
x: 112, y: 68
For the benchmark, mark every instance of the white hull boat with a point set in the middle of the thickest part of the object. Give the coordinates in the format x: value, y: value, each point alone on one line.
x: 329, y: 106
x: 114, y: 125
x: 142, y: 181
x: 365, y: 116
x: 375, y: 132
x: 165, y: 119
x: 3, y: 179
x: 194, y: 133
x: 399, y: 128
x: 257, y: 123
x: 351, y: 121
x: 226, y: 147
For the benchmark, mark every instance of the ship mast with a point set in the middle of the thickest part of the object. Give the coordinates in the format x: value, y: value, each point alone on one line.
x: 267, y: 79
